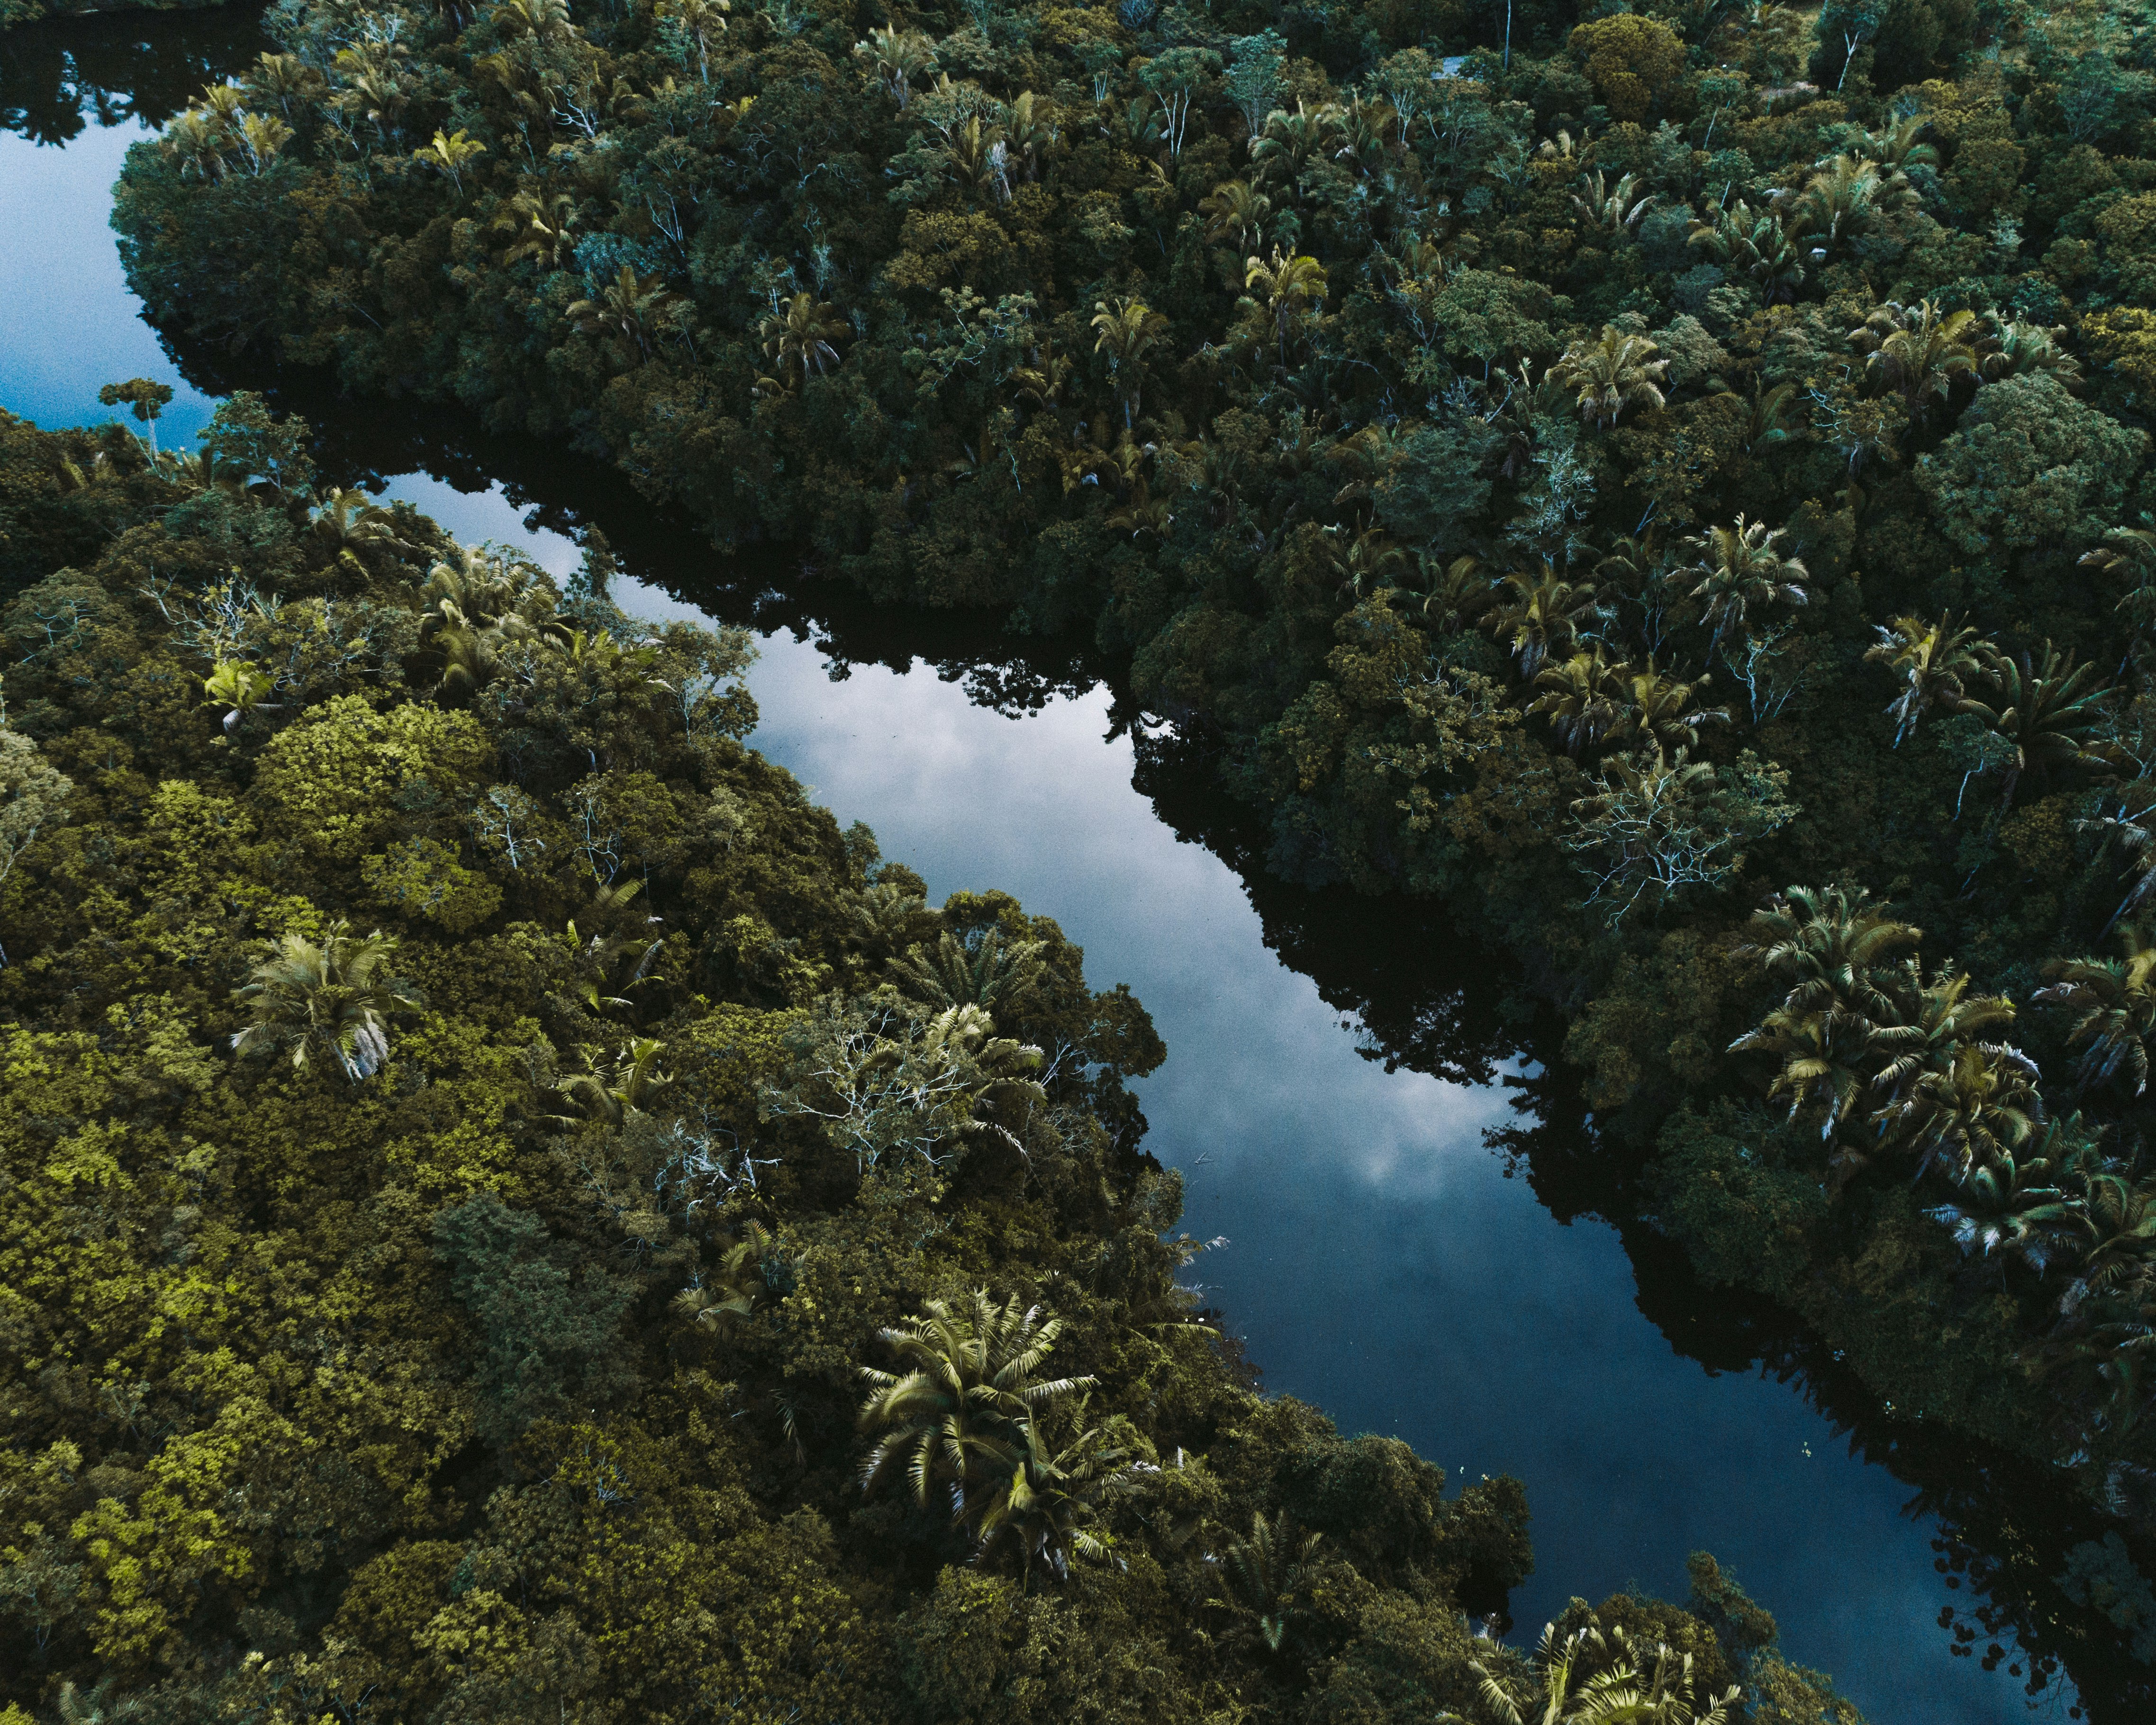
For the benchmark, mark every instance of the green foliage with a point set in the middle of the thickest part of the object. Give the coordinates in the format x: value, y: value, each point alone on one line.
x: 539, y: 1332
x: 333, y: 786
x: 421, y: 879
x: 334, y: 998
x: 26, y: 12
x: 2030, y: 466
x: 32, y: 798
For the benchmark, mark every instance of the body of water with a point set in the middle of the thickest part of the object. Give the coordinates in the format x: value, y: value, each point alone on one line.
x: 1382, y: 1261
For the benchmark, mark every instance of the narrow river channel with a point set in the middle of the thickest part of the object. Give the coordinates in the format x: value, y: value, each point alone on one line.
x: 1381, y: 1261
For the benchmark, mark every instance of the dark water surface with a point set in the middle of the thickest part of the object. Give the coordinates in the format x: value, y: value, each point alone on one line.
x: 1333, y: 1064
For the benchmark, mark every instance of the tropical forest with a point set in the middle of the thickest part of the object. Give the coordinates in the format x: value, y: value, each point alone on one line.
x: 1215, y: 862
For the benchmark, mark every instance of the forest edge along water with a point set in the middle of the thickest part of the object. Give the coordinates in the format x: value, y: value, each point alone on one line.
x: 1284, y: 1205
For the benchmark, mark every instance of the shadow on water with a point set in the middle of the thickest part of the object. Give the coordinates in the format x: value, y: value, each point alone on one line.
x: 1425, y: 999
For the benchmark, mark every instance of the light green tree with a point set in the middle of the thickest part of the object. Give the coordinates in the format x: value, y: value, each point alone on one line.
x: 970, y: 1378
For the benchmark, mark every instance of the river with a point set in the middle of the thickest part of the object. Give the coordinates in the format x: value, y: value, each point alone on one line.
x: 1333, y: 1064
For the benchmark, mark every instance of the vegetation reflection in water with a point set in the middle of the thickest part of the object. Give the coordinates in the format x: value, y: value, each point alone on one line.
x: 1406, y: 1008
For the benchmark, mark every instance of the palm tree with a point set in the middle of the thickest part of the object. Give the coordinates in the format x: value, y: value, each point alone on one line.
x: 1822, y: 1059
x: 1632, y: 561
x: 736, y: 1286
x: 1740, y: 571
x: 977, y: 158
x: 450, y: 153
x: 971, y: 1381
x: 626, y: 310
x: 538, y: 226
x: 2018, y: 348
x: 1128, y: 330
x: 1767, y: 423
x: 2109, y: 1321
x: 615, y: 1088
x: 1365, y: 460
x: 1845, y: 198
x: 1264, y: 1577
x: 1539, y: 613
x: 1286, y: 287
x: 1597, y: 1677
x: 374, y: 91
x: 1932, y: 660
x: 197, y: 142
x: 1360, y: 131
x: 1831, y: 946
x: 1968, y: 1113
x: 2022, y: 1205
x: 1901, y: 145
x: 351, y: 520
x: 2116, y: 1000
x: 2129, y: 554
x: 476, y: 607
x: 1145, y: 120
x: 899, y: 57
x: 263, y: 138
x: 1235, y: 213
x: 2132, y: 830
x: 1029, y: 127
x: 1370, y: 560
x: 1612, y: 373
x: 2113, y: 1213
x: 1612, y: 211
x: 283, y: 78
x: 984, y: 974
x: 1455, y: 594
x: 1756, y: 245
x: 1289, y: 142
x: 1937, y: 1017
x: 1039, y: 1511
x: 238, y: 687
x: 1584, y: 699
x: 797, y: 339
x: 1041, y: 378
x: 334, y: 999
x: 1662, y: 708
x: 702, y: 22
x: 1918, y: 352
x: 2046, y: 714
x: 544, y: 19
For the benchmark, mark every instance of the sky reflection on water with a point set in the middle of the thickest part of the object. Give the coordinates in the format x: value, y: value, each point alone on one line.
x: 67, y: 324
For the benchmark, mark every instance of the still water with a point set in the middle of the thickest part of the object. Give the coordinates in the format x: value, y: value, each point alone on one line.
x: 1382, y: 1261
